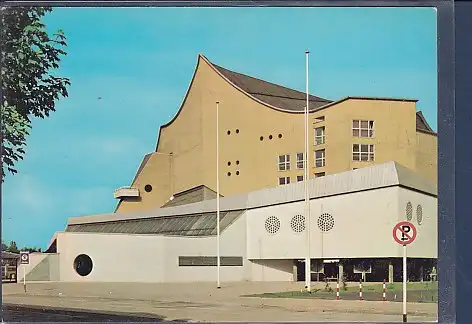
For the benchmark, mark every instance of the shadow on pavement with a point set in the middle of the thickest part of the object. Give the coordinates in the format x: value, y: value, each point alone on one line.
x: 21, y: 313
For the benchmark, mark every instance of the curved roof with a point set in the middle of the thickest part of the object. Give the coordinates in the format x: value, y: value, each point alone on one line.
x: 279, y: 97
x: 270, y: 93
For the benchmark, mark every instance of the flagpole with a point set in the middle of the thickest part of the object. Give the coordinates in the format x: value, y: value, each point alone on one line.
x: 307, y: 198
x: 217, y: 198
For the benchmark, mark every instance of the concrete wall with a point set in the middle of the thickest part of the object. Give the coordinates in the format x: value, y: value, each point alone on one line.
x: 150, y: 258
x: 115, y: 257
x: 363, y: 225
x: 272, y: 270
x: 232, y: 243
x: 42, y: 267
x: 425, y: 245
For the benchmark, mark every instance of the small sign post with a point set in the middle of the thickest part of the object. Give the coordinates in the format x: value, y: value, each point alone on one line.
x: 404, y: 233
x: 24, y: 260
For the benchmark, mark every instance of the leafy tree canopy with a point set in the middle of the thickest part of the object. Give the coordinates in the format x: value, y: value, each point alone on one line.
x: 29, y: 56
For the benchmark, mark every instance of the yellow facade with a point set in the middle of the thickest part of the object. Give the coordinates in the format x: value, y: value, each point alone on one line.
x: 253, y: 134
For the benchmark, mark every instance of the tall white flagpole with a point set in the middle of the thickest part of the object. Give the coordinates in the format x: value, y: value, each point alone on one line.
x: 217, y: 196
x: 307, y: 198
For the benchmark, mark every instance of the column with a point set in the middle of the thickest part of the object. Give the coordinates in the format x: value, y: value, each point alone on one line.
x: 295, y: 271
x: 340, y: 272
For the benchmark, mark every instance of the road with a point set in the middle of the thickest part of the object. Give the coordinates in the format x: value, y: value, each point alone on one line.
x: 182, y: 302
x: 18, y: 313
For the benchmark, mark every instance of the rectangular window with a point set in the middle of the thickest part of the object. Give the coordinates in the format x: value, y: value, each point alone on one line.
x: 319, y: 174
x: 363, y: 152
x: 284, y: 162
x: 210, y: 261
x: 320, y: 158
x: 319, y: 135
x: 363, y: 128
x: 284, y: 180
x: 300, y: 160
x: 299, y: 178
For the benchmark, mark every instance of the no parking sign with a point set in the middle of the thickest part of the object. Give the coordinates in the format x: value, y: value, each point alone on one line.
x: 24, y: 257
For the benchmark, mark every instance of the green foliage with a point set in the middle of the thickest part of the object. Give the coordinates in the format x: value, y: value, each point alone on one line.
x: 13, y: 248
x: 31, y: 249
x: 29, y: 87
x: 328, y: 287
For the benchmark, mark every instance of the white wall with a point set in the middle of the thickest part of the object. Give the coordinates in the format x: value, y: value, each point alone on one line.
x: 115, y: 257
x: 232, y: 243
x: 363, y: 227
x: 34, y: 259
x: 151, y: 258
x: 426, y: 243
x: 272, y: 270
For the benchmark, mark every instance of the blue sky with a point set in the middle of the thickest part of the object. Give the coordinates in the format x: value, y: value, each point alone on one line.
x: 141, y: 60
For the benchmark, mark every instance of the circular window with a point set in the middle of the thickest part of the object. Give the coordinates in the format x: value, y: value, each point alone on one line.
x: 298, y: 223
x: 237, y: 131
x: 229, y: 163
x: 409, y: 211
x: 261, y: 138
x: 229, y: 174
x: 237, y: 172
x: 148, y: 188
x: 270, y: 136
x: 83, y: 265
x: 325, y: 222
x: 419, y: 214
x: 228, y: 132
x: 272, y: 224
x: 237, y: 162
x: 280, y: 135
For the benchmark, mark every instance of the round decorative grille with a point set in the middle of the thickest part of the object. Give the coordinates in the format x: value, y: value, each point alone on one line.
x: 326, y: 222
x: 419, y: 214
x: 298, y: 223
x: 272, y: 224
x: 409, y: 211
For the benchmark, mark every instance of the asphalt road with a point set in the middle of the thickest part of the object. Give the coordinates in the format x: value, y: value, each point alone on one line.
x: 17, y: 313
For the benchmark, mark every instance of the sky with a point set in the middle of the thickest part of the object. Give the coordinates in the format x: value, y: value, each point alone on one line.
x: 140, y: 62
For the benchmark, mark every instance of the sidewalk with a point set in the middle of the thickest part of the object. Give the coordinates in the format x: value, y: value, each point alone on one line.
x: 203, y: 302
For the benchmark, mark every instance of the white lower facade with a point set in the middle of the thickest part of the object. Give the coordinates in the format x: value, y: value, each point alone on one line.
x: 263, y: 244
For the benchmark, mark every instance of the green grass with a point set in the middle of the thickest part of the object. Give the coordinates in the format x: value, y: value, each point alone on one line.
x: 417, y: 292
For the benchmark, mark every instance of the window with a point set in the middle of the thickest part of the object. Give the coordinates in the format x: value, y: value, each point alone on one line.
x: 319, y: 135
x: 319, y: 174
x: 300, y: 160
x: 299, y: 178
x: 284, y: 162
x: 320, y: 158
x: 284, y: 180
x: 363, y: 128
x: 363, y: 152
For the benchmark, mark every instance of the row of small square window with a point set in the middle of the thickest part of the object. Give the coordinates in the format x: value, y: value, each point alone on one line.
x: 360, y: 128
x: 360, y: 152
x: 286, y: 180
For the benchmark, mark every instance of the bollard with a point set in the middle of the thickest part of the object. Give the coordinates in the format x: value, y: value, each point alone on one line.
x: 384, y: 294
x: 337, y: 291
x: 360, y: 290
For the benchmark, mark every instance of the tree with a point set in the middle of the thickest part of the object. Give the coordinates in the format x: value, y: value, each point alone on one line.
x: 29, y: 87
x: 4, y: 246
x: 31, y: 249
x: 13, y: 248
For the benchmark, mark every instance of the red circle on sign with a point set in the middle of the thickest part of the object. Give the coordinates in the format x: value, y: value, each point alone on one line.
x: 398, y: 229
